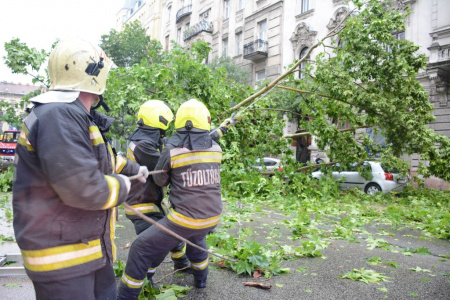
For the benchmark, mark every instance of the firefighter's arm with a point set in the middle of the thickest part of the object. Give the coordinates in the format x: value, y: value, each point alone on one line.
x: 163, y: 179
x: 127, y: 167
x: 220, y: 131
x: 65, y: 148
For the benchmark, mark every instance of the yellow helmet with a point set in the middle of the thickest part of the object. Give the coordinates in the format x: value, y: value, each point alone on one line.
x: 193, y: 113
x: 155, y: 113
x: 78, y: 65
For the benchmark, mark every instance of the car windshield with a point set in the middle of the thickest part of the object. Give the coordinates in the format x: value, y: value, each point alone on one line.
x: 269, y: 162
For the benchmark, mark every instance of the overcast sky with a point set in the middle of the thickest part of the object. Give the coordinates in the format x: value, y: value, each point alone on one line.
x: 38, y: 23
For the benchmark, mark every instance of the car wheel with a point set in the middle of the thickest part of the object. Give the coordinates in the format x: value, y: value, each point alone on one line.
x: 372, y: 188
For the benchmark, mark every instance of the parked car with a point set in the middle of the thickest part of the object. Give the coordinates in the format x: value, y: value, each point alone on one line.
x: 382, y: 179
x: 272, y: 164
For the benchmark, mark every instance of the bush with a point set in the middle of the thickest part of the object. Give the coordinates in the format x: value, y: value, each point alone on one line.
x: 6, y: 179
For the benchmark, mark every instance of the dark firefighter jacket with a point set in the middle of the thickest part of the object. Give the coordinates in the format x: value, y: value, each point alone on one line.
x: 145, y: 148
x: 63, y: 201
x: 192, y: 160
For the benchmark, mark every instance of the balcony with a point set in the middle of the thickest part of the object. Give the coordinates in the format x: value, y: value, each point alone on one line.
x: 184, y: 12
x: 256, y: 50
x: 201, y: 26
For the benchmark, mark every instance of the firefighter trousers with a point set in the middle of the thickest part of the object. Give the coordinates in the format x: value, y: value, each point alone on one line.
x: 98, y: 285
x: 177, y: 253
x: 152, y: 246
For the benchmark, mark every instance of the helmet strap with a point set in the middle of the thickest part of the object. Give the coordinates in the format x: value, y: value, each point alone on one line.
x: 101, y: 103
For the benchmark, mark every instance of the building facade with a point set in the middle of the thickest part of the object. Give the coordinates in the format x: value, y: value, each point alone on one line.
x: 265, y: 36
x: 12, y: 93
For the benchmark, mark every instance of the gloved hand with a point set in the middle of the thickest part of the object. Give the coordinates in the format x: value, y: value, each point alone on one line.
x: 227, y: 123
x: 143, y: 171
x: 127, y: 181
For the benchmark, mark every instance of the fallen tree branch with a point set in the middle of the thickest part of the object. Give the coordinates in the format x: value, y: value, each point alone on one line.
x: 278, y: 109
x: 258, y: 285
x: 294, y: 135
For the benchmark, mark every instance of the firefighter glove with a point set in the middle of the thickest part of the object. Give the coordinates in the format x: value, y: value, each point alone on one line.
x: 227, y: 123
x: 143, y: 171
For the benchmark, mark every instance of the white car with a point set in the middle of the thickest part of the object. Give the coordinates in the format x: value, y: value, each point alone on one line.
x: 272, y: 164
x: 382, y: 180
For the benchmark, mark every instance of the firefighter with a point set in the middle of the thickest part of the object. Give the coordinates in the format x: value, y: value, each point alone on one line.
x: 66, y: 184
x: 146, y: 144
x: 192, y: 159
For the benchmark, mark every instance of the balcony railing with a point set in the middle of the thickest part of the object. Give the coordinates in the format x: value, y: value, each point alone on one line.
x: 183, y: 12
x: 201, y: 26
x: 256, y: 50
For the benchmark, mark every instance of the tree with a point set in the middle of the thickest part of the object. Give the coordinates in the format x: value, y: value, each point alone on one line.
x: 234, y: 71
x: 173, y: 77
x: 22, y: 59
x: 128, y: 47
x: 367, y: 81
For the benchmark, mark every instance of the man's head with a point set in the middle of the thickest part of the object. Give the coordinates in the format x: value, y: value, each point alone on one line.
x: 156, y: 114
x: 78, y: 65
x: 193, y: 114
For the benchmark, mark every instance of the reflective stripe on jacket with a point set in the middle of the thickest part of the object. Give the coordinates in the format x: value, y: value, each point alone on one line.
x: 65, y: 191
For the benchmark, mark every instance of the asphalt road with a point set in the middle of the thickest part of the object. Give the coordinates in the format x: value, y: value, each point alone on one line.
x: 318, y: 278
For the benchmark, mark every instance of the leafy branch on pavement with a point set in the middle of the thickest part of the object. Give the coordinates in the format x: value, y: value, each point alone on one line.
x: 366, y: 276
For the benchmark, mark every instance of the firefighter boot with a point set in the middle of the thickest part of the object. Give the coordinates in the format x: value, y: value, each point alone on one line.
x: 181, y: 263
x: 200, y: 278
x: 150, y: 280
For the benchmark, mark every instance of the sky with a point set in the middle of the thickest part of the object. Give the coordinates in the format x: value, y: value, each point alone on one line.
x: 39, y: 23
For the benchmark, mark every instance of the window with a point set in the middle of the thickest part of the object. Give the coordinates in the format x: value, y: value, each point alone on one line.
x: 305, y: 6
x: 262, y: 30
x: 225, y: 47
x: 399, y: 35
x: 169, y: 11
x: 167, y: 43
x: 240, y: 4
x: 226, y: 9
x: 179, y: 36
x: 239, y: 43
x: 259, y: 77
x: 303, y: 64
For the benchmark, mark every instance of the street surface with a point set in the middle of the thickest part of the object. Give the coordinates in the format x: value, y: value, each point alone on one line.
x: 310, y: 278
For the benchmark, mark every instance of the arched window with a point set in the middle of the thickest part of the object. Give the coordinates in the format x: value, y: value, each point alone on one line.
x: 303, y: 64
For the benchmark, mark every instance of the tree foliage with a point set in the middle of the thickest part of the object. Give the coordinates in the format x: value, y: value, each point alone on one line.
x: 233, y: 71
x: 367, y: 81
x: 22, y: 59
x: 127, y: 47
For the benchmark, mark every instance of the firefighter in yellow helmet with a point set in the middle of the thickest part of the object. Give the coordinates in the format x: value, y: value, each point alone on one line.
x: 192, y: 160
x: 146, y: 144
x: 67, y: 183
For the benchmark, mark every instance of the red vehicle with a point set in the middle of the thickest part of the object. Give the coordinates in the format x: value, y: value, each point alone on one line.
x: 8, y: 144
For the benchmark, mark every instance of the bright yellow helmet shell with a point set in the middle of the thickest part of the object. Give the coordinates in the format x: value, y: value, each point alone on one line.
x: 194, y: 111
x: 155, y: 113
x: 78, y: 65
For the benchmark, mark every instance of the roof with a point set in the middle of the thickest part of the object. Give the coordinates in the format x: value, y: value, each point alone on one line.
x: 17, y: 88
